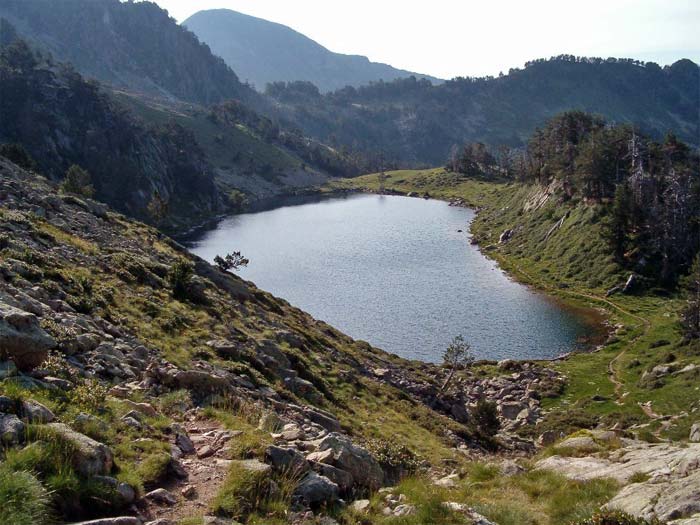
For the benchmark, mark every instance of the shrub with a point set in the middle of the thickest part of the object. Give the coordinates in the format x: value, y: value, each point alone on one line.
x: 180, y: 278
x: 23, y: 500
x: 77, y: 182
x: 17, y: 154
x: 89, y: 395
x: 485, y: 418
x: 395, y: 459
x: 232, y: 261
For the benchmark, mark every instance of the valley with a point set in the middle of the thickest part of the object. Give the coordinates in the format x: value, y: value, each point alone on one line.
x: 245, y: 280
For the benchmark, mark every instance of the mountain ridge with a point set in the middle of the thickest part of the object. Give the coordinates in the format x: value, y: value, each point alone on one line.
x: 263, y: 52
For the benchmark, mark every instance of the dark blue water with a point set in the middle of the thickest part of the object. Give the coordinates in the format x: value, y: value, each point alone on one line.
x: 395, y: 271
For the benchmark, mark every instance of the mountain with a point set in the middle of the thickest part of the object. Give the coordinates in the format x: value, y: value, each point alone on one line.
x: 262, y: 52
x: 132, y: 45
x: 418, y: 123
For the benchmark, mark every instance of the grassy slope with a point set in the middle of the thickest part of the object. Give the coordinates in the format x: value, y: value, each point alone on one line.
x: 61, y: 256
x: 230, y: 148
x: 573, y: 263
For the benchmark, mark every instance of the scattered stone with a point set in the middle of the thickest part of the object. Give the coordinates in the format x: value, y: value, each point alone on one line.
x: 206, y: 451
x: 162, y: 497
x: 448, y: 482
x: 404, y: 510
x: 286, y: 459
x: 505, y: 236
x: 361, y: 505
x: 183, y: 441
x: 580, y: 444
x: 125, y: 520
x: 11, y: 430
x: 189, y: 492
x: 694, y: 433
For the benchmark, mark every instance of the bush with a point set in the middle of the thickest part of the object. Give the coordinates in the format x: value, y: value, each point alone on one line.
x: 17, y: 154
x: 232, y: 261
x: 78, y: 182
x: 23, y: 500
x: 90, y: 395
x: 396, y: 460
x: 180, y: 278
x: 614, y: 518
x: 485, y: 418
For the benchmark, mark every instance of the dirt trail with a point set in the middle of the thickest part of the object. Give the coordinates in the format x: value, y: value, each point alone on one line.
x: 206, y: 472
x: 612, y: 370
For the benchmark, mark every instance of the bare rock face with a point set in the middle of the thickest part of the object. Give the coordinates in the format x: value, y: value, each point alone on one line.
x: 22, y: 339
x: 672, y: 490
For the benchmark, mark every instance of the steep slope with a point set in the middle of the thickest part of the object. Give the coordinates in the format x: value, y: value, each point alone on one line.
x: 262, y: 52
x: 138, y: 380
x: 62, y: 120
x: 418, y: 123
x: 133, y: 45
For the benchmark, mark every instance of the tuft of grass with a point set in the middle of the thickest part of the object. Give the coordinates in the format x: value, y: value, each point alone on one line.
x: 23, y: 499
x: 243, y: 492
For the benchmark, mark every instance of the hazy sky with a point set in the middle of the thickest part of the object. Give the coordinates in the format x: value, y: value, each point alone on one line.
x: 448, y: 38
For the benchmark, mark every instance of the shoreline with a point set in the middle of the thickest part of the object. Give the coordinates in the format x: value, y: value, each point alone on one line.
x: 594, y: 319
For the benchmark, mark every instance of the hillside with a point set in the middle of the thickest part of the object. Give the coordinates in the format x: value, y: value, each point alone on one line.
x: 132, y: 45
x: 141, y: 382
x: 418, y: 124
x: 63, y: 120
x: 263, y: 52
x: 199, y: 161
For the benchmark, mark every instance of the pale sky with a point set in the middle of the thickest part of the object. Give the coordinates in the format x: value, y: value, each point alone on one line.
x: 448, y: 38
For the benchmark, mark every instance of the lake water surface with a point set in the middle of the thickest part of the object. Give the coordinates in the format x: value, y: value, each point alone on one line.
x: 395, y: 271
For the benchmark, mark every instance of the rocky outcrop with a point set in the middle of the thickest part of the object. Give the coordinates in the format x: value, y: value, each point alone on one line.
x: 343, y: 454
x: 22, y: 339
x: 672, y: 472
x: 315, y: 490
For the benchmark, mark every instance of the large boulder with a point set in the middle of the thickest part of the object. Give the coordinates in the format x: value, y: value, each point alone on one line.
x: 364, y: 469
x: 35, y: 412
x: 22, y: 339
x: 90, y: 457
x: 286, y: 460
x: 315, y: 490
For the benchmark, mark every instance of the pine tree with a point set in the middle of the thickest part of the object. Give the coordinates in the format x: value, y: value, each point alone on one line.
x: 690, y: 316
x: 619, y: 223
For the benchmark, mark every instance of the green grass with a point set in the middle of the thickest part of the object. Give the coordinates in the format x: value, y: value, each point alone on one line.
x: 243, y: 492
x: 530, y: 498
x: 23, y: 499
